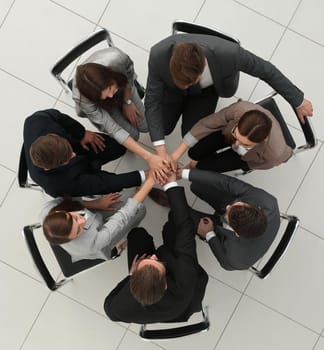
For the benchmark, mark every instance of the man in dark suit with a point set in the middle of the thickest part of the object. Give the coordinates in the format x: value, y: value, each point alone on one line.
x: 248, y: 218
x: 187, y: 74
x: 65, y: 159
x: 165, y: 284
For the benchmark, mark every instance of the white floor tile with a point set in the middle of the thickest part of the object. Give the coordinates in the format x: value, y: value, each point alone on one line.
x: 85, y: 8
x: 312, y: 10
x: 291, y: 61
x: 41, y: 38
x: 134, y: 342
x: 221, y: 301
x: 18, y: 102
x: 21, y: 300
x: 294, y: 288
x: 7, y: 178
x: 22, y: 207
x: 148, y: 22
x: 65, y: 324
x: 255, y: 327
x: 320, y: 344
x: 5, y: 6
x: 269, y: 9
x: 311, y: 193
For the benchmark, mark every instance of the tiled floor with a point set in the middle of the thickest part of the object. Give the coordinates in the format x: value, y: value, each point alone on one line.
x: 285, y: 311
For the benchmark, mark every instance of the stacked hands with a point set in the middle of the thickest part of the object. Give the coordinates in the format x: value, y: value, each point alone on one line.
x: 161, y: 164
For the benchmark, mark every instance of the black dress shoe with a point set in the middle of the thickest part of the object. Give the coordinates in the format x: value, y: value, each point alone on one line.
x: 159, y: 197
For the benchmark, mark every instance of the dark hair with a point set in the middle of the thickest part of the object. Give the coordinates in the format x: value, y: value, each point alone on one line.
x: 57, y: 224
x: 147, y: 285
x: 255, y: 125
x: 50, y: 151
x: 93, y: 78
x: 187, y: 63
x: 247, y: 220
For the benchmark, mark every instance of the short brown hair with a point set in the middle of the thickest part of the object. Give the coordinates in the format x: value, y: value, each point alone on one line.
x: 187, y: 63
x: 247, y: 220
x: 50, y: 151
x: 57, y: 224
x: 147, y: 285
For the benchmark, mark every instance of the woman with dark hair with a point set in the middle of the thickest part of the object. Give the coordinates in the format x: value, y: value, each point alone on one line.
x: 92, y: 229
x: 103, y: 91
x: 248, y: 136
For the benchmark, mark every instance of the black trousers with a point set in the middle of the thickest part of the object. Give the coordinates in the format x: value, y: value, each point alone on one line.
x: 112, y: 151
x: 205, y: 153
x: 191, y: 107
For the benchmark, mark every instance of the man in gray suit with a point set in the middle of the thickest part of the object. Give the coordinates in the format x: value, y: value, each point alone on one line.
x: 187, y: 74
x: 245, y: 222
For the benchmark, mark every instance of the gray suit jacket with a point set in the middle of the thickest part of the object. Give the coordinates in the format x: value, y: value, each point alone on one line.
x: 218, y: 190
x: 271, y: 152
x: 225, y: 60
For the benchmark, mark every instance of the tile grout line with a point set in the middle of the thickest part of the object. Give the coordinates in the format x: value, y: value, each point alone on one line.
x: 35, y: 320
x: 318, y: 339
x: 7, y: 14
x: 198, y: 13
x: 6, y: 194
x: 278, y: 43
x: 303, y: 179
x: 27, y: 83
x: 281, y: 313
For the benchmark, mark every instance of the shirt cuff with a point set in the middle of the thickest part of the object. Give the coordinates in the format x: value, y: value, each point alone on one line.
x: 210, y: 235
x: 170, y: 185
x: 158, y: 143
x: 189, y: 139
x: 142, y: 175
x: 185, y: 174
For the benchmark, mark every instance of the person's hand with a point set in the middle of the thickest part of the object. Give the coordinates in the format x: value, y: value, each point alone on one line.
x: 132, y: 113
x: 106, y: 201
x: 160, y: 168
x: 94, y: 140
x: 179, y: 173
x: 305, y: 110
x: 135, y: 262
x: 205, y: 225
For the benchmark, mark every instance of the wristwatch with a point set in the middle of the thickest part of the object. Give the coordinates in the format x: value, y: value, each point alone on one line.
x: 128, y: 101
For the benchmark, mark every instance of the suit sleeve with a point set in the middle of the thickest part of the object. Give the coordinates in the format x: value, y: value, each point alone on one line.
x: 153, y: 100
x: 103, y: 182
x: 184, y: 226
x: 110, y: 300
x: 221, y: 183
x: 266, y: 71
x: 209, y: 124
x: 119, y: 224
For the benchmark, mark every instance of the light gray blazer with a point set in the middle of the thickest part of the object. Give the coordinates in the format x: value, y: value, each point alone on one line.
x: 102, y: 231
x: 271, y: 152
x: 119, y: 62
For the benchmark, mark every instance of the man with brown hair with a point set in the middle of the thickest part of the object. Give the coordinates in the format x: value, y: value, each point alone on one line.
x: 65, y: 159
x: 187, y: 74
x: 165, y: 284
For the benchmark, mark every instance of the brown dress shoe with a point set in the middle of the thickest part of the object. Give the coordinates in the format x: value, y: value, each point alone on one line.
x: 159, y: 197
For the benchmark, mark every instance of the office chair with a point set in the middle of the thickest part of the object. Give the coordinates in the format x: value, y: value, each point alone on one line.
x: 23, y: 179
x: 83, y: 46
x: 68, y: 267
x: 291, y: 228
x: 176, y: 332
